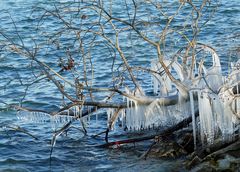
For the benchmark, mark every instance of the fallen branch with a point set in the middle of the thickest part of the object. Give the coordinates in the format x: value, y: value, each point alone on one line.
x: 207, y: 151
x: 212, y: 152
x: 233, y: 146
x: 165, y: 132
x: 144, y: 156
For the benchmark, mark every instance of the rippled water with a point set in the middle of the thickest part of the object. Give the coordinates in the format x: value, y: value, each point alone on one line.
x: 76, y: 152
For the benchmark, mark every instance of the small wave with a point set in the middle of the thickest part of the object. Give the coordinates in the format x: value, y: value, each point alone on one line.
x: 14, y: 169
x: 12, y: 161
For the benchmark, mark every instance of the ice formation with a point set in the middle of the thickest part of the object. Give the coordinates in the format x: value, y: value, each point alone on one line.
x: 57, y: 119
x: 35, y: 117
x: 218, y: 104
x: 166, y: 108
x: 140, y: 116
x: 214, y: 96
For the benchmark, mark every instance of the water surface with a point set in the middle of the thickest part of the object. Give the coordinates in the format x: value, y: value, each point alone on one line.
x: 76, y: 152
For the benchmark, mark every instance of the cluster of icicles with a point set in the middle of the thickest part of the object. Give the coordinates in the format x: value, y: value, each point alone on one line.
x: 57, y: 120
x: 167, y: 108
x: 215, y: 97
x: 218, y: 99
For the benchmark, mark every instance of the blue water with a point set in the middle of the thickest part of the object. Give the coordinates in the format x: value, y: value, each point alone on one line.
x: 74, y: 151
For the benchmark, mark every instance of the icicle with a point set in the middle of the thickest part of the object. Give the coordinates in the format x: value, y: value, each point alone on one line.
x: 201, y: 109
x: 225, y: 118
x: 75, y: 112
x: 68, y: 113
x: 81, y: 113
x: 206, y: 117
x: 96, y: 116
x: 155, y: 82
x: 34, y: 117
x: 53, y: 122
x: 89, y: 116
x: 122, y: 118
x: 193, y: 119
x: 237, y: 106
x: 110, y: 113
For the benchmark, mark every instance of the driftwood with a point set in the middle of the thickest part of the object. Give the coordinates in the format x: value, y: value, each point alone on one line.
x: 216, y: 151
x: 208, y: 150
x: 165, y: 132
x: 233, y: 146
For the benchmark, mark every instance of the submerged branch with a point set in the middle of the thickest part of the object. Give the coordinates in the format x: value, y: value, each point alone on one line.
x: 58, y: 133
x: 22, y: 130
